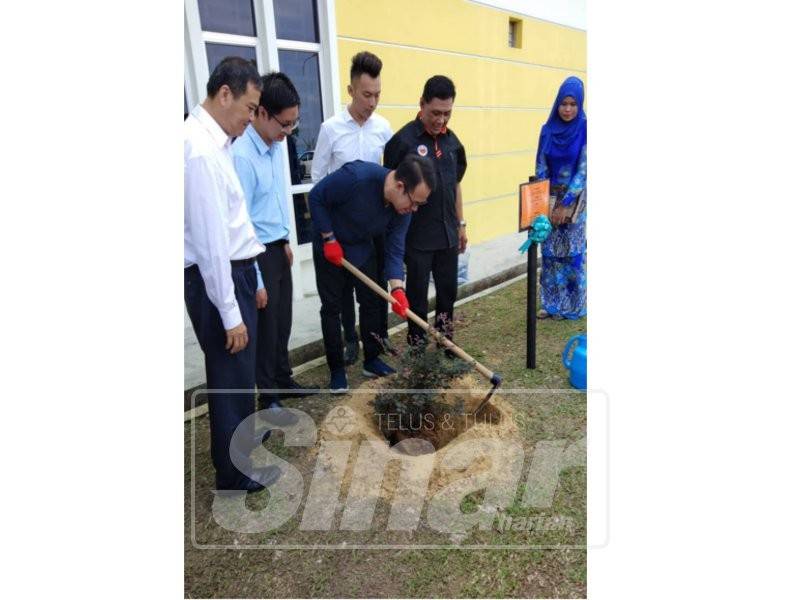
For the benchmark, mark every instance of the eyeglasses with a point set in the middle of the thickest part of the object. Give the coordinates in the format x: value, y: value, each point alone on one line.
x: 287, y: 127
x: 410, y: 197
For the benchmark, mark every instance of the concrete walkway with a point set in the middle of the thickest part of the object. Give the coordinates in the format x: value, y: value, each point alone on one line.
x: 485, y: 260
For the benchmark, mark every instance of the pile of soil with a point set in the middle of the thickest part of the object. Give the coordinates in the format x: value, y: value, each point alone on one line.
x: 495, y: 422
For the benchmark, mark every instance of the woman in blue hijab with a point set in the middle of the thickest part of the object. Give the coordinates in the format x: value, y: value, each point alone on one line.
x: 561, y: 158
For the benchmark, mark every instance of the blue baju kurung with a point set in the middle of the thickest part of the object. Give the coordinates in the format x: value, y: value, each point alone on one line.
x: 561, y: 158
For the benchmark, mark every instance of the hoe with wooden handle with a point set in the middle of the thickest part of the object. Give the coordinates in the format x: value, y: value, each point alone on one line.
x: 494, y: 378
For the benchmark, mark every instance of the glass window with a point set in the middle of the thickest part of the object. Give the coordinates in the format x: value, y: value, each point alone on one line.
x: 296, y: 20
x: 217, y: 52
x: 302, y: 218
x: 303, y: 69
x: 296, y: 169
x: 227, y: 16
x: 514, y: 33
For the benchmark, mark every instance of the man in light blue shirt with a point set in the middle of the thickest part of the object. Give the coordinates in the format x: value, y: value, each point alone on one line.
x: 259, y: 163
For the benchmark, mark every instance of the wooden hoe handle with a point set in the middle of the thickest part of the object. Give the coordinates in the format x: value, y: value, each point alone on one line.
x: 494, y: 378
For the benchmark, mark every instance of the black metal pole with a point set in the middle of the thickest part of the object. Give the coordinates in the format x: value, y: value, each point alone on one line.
x: 533, y: 252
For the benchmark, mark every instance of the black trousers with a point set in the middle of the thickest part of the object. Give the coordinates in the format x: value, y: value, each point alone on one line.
x: 383, y: 306
x: 419, y: 266
x: 349, y: 312
x: 348, y: 304
x: 273, y: 370
x: 226, y: 371
x: 332, y: 281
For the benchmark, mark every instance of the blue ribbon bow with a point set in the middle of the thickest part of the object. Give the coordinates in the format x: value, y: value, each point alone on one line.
x: 538, y: 232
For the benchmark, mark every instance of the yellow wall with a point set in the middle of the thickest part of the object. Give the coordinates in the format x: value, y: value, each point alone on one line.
x: 503, y: 95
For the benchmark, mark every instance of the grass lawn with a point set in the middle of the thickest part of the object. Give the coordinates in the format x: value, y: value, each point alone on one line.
x: 492, y: 329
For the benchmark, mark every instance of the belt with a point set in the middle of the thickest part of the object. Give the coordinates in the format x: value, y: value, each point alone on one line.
x: 235, y: 264
x: 280, y: 243
x: 245, y: 262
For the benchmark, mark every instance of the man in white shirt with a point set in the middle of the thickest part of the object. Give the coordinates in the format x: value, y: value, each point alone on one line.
x: 220, y: 246
x: 356, y: 133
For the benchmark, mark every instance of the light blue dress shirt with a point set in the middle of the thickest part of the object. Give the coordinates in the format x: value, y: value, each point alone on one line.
x: 260, y: 170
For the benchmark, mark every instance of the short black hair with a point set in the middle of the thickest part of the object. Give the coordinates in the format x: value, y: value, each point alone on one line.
x: 278, y: 93
x: 440, y: 87
x: 413, y: 169
x: 365, y: 62
x: 236, y: 73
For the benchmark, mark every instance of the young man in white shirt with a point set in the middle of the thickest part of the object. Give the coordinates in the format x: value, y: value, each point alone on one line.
x: 220, y: 247
x: 356, y: 133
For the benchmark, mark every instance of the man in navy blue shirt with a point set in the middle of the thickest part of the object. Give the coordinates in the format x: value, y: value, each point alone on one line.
x: 348, y: 208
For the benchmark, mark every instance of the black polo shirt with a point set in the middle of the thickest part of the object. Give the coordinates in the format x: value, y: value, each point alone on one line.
x: 434, y: 226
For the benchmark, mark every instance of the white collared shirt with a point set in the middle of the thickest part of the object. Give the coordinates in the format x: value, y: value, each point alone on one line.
x: 216, y: 225
x: 341, y: 139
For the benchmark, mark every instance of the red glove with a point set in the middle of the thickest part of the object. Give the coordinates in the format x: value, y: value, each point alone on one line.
x: 401, y: 302
x: 333, y: 252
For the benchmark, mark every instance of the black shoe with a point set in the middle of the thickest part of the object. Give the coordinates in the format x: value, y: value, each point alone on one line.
x: 253, y: 487
x: 262, y: 478
x: 278, y: 415
x: 296, y: 390
x: 350, y: 353
x: 267, y: 400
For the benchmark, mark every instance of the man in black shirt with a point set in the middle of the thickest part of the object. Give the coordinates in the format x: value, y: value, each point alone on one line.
x: 437, y: 233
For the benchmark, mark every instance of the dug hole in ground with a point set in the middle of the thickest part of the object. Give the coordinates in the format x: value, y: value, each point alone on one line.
x: 422, y: 460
